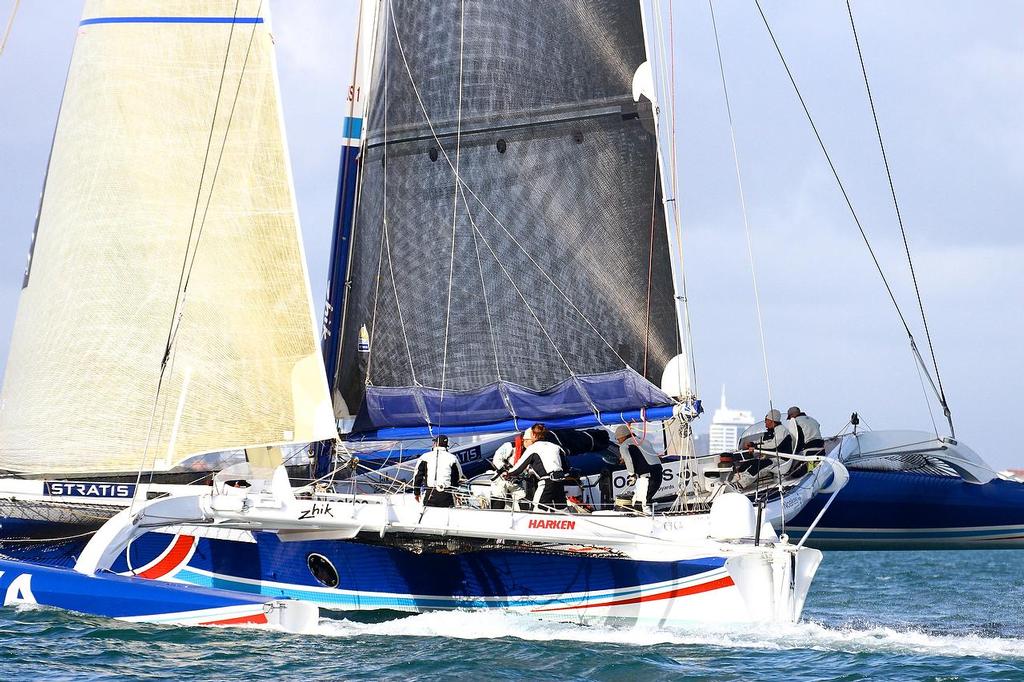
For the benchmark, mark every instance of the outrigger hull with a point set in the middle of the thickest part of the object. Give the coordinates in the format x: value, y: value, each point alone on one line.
x: 138, y: 600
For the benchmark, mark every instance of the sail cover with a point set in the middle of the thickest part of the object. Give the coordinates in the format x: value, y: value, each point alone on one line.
x: 538, y: 285
x: 168, y: 164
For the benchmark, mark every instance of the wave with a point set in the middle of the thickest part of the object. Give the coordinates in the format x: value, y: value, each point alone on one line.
x: 474, y: 625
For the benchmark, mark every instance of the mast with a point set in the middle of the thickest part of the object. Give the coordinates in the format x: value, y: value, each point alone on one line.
x: 654, y: 82
x: 353, y: 139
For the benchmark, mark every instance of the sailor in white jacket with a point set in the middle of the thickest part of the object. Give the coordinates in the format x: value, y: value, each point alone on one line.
x: 546, y: 461
x: 806, y: 430
x: 643, y: 465
x: 440, y: 472
x: 502, y: 489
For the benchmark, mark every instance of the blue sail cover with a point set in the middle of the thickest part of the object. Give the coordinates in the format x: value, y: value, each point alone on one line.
x: 577, y: 402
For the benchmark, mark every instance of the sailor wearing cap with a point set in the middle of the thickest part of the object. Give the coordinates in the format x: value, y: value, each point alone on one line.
x: 643, y: 465
x: 806, y: 430
x: 546, y: 461
x: 440, y: 472
x: 776, y: 438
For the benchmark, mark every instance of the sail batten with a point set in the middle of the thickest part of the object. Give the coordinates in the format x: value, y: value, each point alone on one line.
x: 169, y: 157
x: 542, y: 261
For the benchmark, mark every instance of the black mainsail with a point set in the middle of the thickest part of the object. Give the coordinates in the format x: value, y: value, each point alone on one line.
x: 510, y: 259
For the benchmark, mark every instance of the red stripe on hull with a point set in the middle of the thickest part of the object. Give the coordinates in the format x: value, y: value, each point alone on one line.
x: 681, y: 592
x: 175, y: 556
x: 253, y: 618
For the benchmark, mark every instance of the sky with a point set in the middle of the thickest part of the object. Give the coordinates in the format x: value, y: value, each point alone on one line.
x: 948, y: 83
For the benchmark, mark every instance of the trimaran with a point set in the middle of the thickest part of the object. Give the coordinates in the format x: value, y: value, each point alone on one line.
x: 491, y: 166
x: 167, y: 292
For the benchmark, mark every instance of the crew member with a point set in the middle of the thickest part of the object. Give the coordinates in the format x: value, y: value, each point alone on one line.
x: 546, y: 462
x: 776, y: 438
x: 806, y: 430
x: 644, y: 466
x: 501, y: 488
x: 807, y: 434
x: 440, y: 472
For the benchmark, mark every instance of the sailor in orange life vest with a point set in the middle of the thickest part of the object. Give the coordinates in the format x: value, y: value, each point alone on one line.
x: 645, y: 466
x: 546, y: 461
x: 440, y: 471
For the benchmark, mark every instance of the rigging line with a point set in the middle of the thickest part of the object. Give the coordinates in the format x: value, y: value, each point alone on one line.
x: 199, y: 193
x: 360, y: 180
x: 686, y: 344
x: 387, y: 244
x: 209, y: 197
x: 835, y: 173
x: 899, y: 218
x: 650, y: 264
x: 455, y: 198
x: 175, y: 312
x: 384, y: 195
x: 10, y: 25
x: 465, y: 188
x: 220, y: 156
x: 347, y: 131
x: 924, y: 391
x: 512, y: 281
x: 398, y: 304
x: 376, y: 298
x: 487, y: 306
x: 743, y: 207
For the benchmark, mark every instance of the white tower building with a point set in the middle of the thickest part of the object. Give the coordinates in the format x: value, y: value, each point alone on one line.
x: 726, y: 427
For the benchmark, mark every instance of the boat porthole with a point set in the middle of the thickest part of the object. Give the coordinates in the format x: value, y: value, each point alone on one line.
x: 501, y: 145
x: 323, y: 570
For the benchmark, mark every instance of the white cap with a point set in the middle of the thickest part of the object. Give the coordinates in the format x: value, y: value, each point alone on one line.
x: 528, y: 433
x: 622, y: 431
x: 774, y: 415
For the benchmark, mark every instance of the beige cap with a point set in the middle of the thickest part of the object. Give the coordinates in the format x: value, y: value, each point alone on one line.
x: 774, y: 415
x: 622, y: 431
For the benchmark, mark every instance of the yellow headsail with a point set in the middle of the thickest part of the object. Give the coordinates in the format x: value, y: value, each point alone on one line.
x: 169, y: 164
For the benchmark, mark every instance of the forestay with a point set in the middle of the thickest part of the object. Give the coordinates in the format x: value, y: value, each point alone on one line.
x: 539, y: 284
x: 168, y: 165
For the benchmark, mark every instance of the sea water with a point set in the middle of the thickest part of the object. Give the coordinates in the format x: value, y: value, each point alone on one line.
x: 870, y: 615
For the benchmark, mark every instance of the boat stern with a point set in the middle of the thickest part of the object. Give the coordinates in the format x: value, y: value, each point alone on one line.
x: 773, y: 581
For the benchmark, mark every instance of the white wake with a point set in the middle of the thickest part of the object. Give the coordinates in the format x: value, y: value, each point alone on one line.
x: 807, y: 635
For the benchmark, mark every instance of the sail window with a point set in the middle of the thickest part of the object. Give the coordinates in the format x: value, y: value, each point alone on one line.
x: 432, y: 153
x: 323, y: 570
x: 501, y: 145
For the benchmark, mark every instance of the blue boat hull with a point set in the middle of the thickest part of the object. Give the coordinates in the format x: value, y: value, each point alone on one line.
x: 130, y: 598
x: 374, y: 576
x: 899, y: 510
